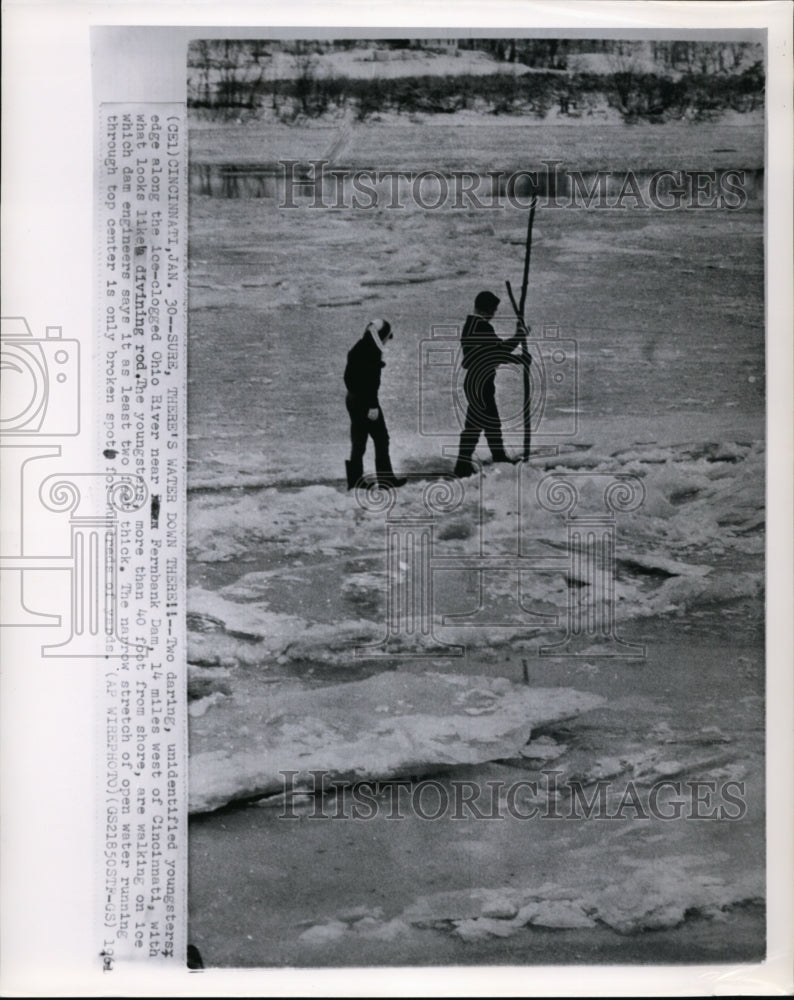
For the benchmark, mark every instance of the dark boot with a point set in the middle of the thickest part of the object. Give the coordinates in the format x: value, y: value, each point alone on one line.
x: 502, y: 456
x: 389, y: 479
x: 463, y: 468
x: 354, y: 470
x: 383, y: 471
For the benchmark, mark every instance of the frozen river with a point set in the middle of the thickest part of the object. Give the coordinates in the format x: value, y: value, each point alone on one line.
x: 661, y: 320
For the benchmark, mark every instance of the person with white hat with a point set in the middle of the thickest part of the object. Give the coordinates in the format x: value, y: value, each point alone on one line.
x: 362, y: 381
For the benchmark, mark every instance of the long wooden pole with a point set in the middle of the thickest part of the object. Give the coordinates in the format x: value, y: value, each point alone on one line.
x: 519, y: 311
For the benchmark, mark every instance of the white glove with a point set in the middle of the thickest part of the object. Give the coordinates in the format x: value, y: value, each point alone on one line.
x: 372, y: 414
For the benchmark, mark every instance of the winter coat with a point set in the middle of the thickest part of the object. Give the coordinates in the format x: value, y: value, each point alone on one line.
x: 483, y: 351
x: 362, y: 372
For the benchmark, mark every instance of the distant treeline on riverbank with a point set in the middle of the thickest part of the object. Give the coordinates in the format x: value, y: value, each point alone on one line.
x: 641, y: 81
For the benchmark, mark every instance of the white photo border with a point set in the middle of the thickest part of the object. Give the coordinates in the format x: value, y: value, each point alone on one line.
x: 48, y: 788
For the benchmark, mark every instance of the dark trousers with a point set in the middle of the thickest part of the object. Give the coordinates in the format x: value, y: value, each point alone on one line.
x: 481, y: 416
x: 361, y: 427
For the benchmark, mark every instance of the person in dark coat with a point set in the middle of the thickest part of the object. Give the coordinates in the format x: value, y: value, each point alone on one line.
x: 362, y: 381
x: 483, y: 352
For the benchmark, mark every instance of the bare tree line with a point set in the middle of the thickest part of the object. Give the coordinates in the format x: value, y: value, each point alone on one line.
x: 649, y: 80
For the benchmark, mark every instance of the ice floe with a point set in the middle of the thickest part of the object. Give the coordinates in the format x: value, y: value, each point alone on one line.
x: 243, y: 745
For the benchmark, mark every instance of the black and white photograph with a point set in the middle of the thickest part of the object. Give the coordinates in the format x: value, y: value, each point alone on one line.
x: 396, y: 499
x: 476, y: 511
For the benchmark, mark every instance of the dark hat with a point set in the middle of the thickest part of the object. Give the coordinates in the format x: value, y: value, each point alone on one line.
x: 486, y: 302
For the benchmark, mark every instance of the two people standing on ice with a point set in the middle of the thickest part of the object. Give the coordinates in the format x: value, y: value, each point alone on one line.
x: 483, y: 353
